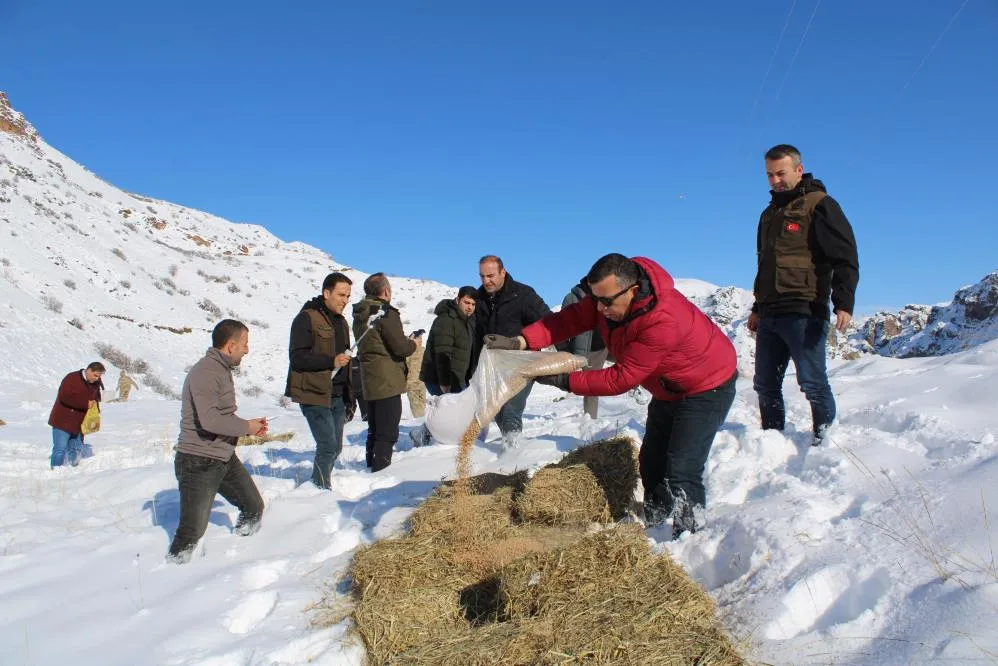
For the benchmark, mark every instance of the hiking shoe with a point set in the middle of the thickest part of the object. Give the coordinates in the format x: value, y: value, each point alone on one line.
x: 247, y: 525
x: 420, y: 436
x: 510, y: 440
x: 655, y: 514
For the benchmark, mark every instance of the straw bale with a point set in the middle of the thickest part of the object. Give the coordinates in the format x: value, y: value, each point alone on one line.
x: 614, y: 464
x: 396, y: 566
x: 391, y: 624
x: 563, y: 496
x: 611, y: 601
x: 450, y: 515
x: 469, y: 586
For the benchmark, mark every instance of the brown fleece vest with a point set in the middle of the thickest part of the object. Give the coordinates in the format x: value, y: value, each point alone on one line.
x: 787, y: 270
x: 316, y: 388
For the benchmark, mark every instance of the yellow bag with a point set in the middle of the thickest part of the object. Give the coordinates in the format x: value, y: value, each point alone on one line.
x: 91, y: 422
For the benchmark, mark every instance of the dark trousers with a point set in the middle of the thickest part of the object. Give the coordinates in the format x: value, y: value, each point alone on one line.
x: 678, y: 437
x: 802, y: 339
x: 355, y: 381
x: 383, y: 418
x: 326, y: 424
x: 199, y: 479
x: 510, y: 416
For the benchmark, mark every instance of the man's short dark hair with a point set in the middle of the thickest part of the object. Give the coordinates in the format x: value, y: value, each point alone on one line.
x: 375, y: 284
x: 96, y: 366
x: 467, y: 292
x: 783, y: 150
x: 492, y: 257
x: 334, y: 279
x: 226, y: 330
x: 624, y: 269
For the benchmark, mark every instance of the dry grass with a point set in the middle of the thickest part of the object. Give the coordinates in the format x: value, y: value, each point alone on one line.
x: 504, y: 588
x: 255, y: 440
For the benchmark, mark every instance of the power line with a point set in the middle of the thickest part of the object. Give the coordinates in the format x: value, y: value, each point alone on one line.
x: 794, y: 59
x: 772, y: 59
x: 933, y: 47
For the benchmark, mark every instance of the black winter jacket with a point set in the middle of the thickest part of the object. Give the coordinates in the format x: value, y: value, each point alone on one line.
x: 506, y: 312
x: 447, y: 358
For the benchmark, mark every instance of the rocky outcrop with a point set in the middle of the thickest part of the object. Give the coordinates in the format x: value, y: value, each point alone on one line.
x: 14, y: 122
x: 970, y: 319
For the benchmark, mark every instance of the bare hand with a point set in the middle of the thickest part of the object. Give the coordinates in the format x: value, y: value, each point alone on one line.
x: 91, y: 404
x: 340, y: 360
x: 257, y: 427
x: 753, y: 322
x: 842, y: 319
x: 445, y: 389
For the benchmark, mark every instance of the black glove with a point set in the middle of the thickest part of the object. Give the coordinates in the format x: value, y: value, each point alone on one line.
x: 493, y: 341
x: 557, y: 381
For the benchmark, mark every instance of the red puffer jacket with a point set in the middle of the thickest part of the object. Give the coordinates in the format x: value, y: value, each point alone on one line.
x: 668, y: 345
x: 75, y: 393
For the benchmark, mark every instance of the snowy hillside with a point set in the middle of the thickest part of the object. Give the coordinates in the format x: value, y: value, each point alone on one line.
x: 83, y: 263
x: 876, y: 549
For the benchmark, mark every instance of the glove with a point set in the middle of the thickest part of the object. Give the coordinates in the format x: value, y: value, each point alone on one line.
x: 557, y: 381
x: 493, y: 341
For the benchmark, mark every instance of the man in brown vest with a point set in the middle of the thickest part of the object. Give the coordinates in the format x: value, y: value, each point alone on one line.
x: 320, y: 338
x: 807, y: 254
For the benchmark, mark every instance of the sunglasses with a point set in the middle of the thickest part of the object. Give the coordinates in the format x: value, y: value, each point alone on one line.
x: 606, y: 301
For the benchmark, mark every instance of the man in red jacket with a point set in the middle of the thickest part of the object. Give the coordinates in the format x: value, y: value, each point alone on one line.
x: 660, y: 341
x: 78, y: 392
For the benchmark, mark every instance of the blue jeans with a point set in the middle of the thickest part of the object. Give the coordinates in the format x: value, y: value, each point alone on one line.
x: 66, y: 448
x: 326, y: 424
x: 677, y: 441
x: 800, y: 338
x: 510, y: 417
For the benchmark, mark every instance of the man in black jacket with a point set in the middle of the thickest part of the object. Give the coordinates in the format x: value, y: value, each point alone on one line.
x: 503, y: 307
x: 806, y: 254
x: 320, y: 338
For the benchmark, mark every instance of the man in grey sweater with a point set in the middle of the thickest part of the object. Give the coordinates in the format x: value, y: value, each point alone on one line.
x: 206, y: 461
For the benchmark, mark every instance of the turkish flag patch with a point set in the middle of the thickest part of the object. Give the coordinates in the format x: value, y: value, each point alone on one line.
x: 792, y: 227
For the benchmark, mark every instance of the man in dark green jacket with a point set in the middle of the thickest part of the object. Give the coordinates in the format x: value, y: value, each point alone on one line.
x: 317, y: 377
x: 447, y: 360
x: 382, y: 349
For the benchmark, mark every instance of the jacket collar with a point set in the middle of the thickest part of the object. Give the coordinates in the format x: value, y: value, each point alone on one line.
x: 217, y: 355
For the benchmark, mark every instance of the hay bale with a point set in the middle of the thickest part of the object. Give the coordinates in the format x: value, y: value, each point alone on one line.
x: 563, y: 496
x: 392, y: 567
x: 594, y: 483
x: 468, y: 585
x: 614, y: 464
x: 609, y: 600
x: 448, y: 516
x: 392, y: 624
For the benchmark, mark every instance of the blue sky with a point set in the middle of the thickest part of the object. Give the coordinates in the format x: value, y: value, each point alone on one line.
x: 413, y: 137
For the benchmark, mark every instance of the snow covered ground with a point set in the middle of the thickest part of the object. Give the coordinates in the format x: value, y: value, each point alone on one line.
x: 874, y: 550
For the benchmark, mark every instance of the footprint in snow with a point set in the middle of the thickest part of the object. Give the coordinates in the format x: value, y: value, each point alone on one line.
x: 250, y: 612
